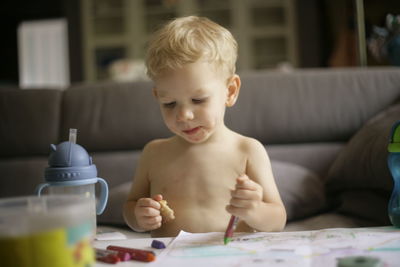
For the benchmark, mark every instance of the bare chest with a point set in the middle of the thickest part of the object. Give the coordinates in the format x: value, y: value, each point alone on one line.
x: 193, y: 173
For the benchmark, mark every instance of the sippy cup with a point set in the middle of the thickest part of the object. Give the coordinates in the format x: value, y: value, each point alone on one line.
x: 394, y: 166
x: 72, y: 172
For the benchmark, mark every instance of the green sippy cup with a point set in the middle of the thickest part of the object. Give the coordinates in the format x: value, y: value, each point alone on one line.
x: 394, y: 166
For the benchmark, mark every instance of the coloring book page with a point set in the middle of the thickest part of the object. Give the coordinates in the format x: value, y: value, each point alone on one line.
x: 303, y: 248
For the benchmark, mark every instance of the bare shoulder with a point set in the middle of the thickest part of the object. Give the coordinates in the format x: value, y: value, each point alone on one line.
x: 154, y: 144
x: 154, y: 147
x: 250, y: 145
x: 258, y: 165
x: 157, y: 144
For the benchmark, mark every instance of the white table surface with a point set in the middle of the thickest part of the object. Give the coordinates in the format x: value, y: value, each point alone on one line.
x: 143, y: 241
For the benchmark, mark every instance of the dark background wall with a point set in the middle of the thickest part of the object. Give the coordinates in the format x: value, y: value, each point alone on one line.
x: 12, y: 13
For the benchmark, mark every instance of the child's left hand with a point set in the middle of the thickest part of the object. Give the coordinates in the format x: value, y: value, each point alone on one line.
x: 246, y: 198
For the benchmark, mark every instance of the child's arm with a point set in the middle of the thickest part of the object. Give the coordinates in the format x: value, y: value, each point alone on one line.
x: 141, y: 212
x: 256, y: 199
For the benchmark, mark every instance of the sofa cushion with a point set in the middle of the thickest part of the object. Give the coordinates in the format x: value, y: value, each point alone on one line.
x: 359, y: 181
x: 327, y: 220
x: 116, y: 167
x: 317, y: 157
x: 19, y: 176
x: 29, y: 121
x: 301, y: 190
x: 117, y: 196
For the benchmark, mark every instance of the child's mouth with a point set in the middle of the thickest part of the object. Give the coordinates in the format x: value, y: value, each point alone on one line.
x: 191, y: 131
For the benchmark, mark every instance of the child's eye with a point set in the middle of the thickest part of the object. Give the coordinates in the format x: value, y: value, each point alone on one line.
x: 169, y: 105
x: 199, y: 100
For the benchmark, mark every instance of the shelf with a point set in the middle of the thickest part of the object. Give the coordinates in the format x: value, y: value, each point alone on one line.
x: 111, y: 40
x: 158, y: 4
x: 221, y: 16
x: 104, y: 57
x: 268, y: 52
x: 262, y: 16
x: 108, y: 26
x: 153, y: 21
x: 267, y: 3
x: 268, y: 32
x: 212, y: 4
x: 115, y: 29
x: 105, y: 8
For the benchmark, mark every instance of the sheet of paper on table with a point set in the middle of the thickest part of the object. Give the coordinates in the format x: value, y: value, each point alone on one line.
x: 109, y: 235
x: 304, y: 248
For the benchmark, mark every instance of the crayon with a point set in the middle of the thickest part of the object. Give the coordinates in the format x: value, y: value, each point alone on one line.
x: 107, y: 256
x: 230, y: 229
x: 136, y: 254
x: 123, y: 256
x: 157, y: 244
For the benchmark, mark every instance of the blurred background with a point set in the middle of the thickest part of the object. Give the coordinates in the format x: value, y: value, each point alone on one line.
x: 106, y: 39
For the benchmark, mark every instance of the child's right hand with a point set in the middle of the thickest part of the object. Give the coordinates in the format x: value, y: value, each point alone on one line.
x: 147, y: 212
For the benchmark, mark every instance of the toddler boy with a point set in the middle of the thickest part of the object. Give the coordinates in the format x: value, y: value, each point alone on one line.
x: 205, y: 171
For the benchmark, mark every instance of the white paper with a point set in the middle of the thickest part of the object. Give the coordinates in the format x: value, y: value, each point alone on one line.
x: 305, y: 248
x: 111, y: 235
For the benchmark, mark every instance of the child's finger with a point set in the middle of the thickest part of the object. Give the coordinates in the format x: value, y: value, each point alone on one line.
x: 242, y: 179
x: 151, y: 220
x: 158, y: 197
x: 149, y: 211
x: 148, y: 202
x: 153, y: 226
x: 240, y: 212
x: 246, y: 183
x: 245, y: 194
x: 237, y: 203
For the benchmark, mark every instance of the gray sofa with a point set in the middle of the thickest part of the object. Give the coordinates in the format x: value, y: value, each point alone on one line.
x: 326, y: 132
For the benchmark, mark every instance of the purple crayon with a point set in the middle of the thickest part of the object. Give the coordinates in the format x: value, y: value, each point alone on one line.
x: 157, y: 244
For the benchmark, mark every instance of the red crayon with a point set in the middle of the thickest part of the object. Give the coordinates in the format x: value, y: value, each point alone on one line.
x: 136, y: 254
x: 123, y: 256
x: 107, y: 257
x: 230, y: 229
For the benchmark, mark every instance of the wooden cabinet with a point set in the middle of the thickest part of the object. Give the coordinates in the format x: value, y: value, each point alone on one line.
x: 116, y: 29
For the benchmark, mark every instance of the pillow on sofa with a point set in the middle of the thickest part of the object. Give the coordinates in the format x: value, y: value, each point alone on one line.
x: 301, y: 190
x: 361, y: 170
x: 112, y: 215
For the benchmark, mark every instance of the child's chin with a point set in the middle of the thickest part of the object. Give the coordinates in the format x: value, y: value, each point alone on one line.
x: 195, y: 139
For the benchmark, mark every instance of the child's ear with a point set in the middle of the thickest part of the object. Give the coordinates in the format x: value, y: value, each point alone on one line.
x: 233, y: 90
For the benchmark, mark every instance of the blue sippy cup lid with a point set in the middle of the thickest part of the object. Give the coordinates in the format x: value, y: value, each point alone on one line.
x: 69, y: 162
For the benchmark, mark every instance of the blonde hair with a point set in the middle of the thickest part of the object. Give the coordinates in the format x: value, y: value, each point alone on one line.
x: 188, y: 39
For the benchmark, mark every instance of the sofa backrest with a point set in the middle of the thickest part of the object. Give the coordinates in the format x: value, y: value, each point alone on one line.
x: 321, y: 105
x: 112, y: 116
x: 325, y: 105
x: 29, y: 121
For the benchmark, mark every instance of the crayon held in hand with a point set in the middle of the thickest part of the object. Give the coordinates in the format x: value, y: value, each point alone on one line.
x: 230, y: 229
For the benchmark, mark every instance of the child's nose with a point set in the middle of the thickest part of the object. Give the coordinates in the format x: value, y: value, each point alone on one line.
x: 185, y: 114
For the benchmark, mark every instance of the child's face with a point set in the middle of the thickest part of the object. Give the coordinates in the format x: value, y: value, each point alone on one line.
x: 193, y: 100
